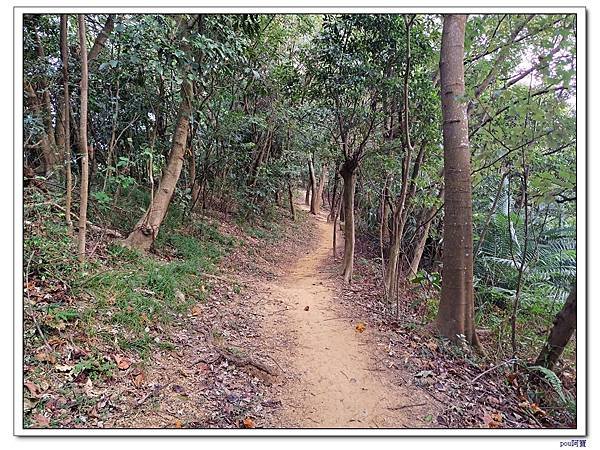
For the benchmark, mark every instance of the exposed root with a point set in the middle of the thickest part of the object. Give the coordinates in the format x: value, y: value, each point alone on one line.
x: 241, y: 361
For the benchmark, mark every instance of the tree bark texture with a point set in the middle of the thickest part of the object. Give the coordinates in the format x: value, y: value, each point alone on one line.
x: 83, y: 144
x: 349, y: 177
x: 291, y: 200
x: 66, y: 128
x: 564, y: 327
x: 313, y: 187
x: 455, y: 318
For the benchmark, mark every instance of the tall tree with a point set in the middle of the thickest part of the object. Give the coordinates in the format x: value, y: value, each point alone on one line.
x: 455, y: 318
x: 64, y: 53
x: 146, y: 229
x: 83, y: 139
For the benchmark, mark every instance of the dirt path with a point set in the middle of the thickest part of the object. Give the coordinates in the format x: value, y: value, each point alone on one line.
x: 335, y: 383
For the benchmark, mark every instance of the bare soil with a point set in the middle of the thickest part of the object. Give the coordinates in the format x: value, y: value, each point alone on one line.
x: 333, y: 380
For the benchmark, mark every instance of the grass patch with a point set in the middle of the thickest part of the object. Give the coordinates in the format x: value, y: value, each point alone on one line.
x: 140, y: 290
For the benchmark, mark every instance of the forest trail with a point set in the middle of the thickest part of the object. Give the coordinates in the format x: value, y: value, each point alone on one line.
x: 336, y: 384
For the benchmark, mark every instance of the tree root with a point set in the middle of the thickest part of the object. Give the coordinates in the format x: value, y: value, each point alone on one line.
x: 241, y: 361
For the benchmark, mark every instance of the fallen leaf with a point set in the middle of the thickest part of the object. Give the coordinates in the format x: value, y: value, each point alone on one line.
x: 203, y: 367
x: 536, y: 409
x: 196, y: 310
x: 46, y: 357
x: 33, y: 389
x: 56, y: 403
x: 360, y: 327
x: 88, y: 388
x: 55, y: 340
x: 493, y: 420
x: 248, y: 423
x: 122, y: 362
x: 533, y: 407
x: 63, y: 368
x: 41, y: 421
x: 432, y: 345
x: 178, y: 423
x: 138, y: 380
x: 94, y: 413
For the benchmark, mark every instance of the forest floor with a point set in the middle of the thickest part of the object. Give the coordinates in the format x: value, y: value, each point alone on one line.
x: 269, y: 338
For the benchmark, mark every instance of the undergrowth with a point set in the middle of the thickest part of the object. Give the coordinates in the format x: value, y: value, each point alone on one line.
x: 120, y: 295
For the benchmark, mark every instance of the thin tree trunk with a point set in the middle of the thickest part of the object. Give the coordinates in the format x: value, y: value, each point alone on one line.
x: 418, y: 253
x: 349, y: 176
x: 420, y: 246
x: 455, y: 318
x: 146, y: 230
x: 336, y: 215
x: 313, y: 183
x: 291, y: 200
x: 333, y: 198
x: 64, y: 50
x: 400, y: 213
x: 513, y: 318
x: 562, y: 330
x: 102, y: 37
x: 382, y: 225
x: 83, y: 196
x: 192, y: 171
x: 321, y: 187
x: 385, y: 213
x: 307, y: 197
x: 49, y: 155
x: 46, y: 100
x: 391, y: 273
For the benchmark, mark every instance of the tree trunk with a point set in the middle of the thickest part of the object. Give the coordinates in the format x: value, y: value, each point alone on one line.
x: 385, y: 213
x: 313, y: 187
x: 46, y: 100
x: 83, y: 196
x: 418, y: 253
x: 307, y: 197
x: 349, y: 176
x: 66, y: 128
x: 564, y: 326
x: 291, y: 199
x: 100, y: 40
x: 337, y: 207
x: 455, y: 318
x: 427, y: 219
x: 334, y: 196
x: 59, y: 128
x: 401, y: 211
x: 391, y: 273
x: 49, y: 155
x: 146, y: 230
x: 320, y: 188
x: 194, y: 185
